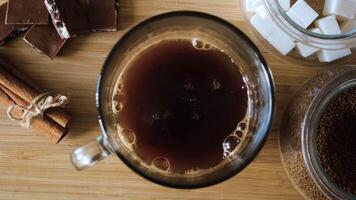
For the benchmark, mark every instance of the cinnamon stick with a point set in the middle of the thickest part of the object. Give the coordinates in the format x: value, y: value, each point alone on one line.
x: 6, y: 100
x: 44, y: 125
x: 21, y: 102
x: 10, y: 68
x: 16, y: 99
x: 28, y: 94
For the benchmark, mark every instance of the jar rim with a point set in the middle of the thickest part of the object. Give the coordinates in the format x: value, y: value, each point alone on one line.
x: 308, y: 137
x: 332, y: 42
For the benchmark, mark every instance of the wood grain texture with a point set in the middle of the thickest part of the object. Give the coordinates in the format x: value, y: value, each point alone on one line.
x: 32, y: 168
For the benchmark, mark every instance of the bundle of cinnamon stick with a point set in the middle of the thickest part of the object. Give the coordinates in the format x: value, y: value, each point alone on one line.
x: 16, y: 90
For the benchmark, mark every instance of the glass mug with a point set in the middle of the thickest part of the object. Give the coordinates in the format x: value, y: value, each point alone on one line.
x: 181, y: 25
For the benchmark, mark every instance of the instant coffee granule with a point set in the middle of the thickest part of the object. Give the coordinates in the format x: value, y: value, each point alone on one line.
x: 290, y: 139
x: 336, y: 140
x: 291, y: 133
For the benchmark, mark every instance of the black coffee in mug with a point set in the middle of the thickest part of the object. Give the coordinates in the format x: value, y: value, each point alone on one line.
x: 184, y: 99
x: 184, y: 103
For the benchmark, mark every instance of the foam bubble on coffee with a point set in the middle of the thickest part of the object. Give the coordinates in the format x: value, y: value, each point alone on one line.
x: 232, y: 143
x: 127, y: 137
x: 161, y: 163
x: 201, y: 45
x: 117, y: 103
x: 117, y: 106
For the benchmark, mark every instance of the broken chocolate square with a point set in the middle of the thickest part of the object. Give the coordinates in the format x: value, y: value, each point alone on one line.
x: 7, y: 32
x: 26, y: 12
x: 68, y: 17
x: 45, y: 39
x: 102, y: 15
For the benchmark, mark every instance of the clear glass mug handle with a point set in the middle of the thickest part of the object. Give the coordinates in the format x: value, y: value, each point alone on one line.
x: 90, y: 154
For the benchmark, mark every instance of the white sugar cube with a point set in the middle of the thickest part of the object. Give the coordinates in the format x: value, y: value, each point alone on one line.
x: 348, y: 26
x: 328, y: 25
x: 281, y: 41
x: 343, y: 9
x: 285, y: 4
x: 302, y: 14
x: 305, y: 50
x: 263, y: 23
x: 262, y: 11
x: 252, y: 5
x: 331, y: 55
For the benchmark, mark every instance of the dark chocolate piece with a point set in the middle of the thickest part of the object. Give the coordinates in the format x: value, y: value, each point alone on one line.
x: 102, y: 15
x: 68, y: 17
x: 8, y: 32
x: 26, y: 12
x: 45, y: 39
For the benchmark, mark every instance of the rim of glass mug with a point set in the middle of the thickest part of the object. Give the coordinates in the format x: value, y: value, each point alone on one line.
x: 105, y: 141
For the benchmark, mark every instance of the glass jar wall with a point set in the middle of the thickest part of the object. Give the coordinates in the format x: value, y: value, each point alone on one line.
x: 303, y: 31
x: 299, y: 131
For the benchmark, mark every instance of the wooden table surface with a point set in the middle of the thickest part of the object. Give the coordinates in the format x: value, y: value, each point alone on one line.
x: 32, y: 168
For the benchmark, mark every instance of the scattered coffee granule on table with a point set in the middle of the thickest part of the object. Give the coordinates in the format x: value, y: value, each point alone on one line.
x: 336, y: 140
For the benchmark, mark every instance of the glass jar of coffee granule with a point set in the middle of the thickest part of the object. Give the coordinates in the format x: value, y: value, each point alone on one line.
x: 318, y: 136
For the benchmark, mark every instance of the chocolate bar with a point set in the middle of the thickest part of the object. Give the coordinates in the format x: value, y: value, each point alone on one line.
x: 102, y: 15
x: 26, y: 12
x: 7, y: 32
x: 68, y: 17
x: 45, y: 39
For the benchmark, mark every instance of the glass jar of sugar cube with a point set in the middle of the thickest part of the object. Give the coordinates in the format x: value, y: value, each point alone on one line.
x: 312, y: 32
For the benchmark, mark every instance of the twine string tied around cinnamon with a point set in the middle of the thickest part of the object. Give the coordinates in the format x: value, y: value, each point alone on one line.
x: 37, y: 107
